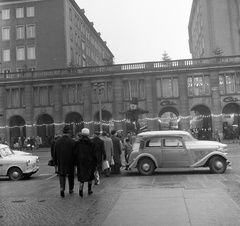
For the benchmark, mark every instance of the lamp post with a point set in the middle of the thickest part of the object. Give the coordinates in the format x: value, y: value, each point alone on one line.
x: 99, y: 90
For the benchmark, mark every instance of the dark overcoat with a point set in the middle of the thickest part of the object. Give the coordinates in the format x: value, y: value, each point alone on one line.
x: 64, y: 155
x: 117, y: 149
x: 99, y: 150
x: 86, y: 159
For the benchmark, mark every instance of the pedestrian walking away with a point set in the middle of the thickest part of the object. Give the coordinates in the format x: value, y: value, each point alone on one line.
x: 99, y: 150
x: 117, y: 151
x: 64, y: 160
x: 86, y: 161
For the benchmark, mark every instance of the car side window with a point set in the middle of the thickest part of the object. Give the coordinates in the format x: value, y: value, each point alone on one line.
x: 154, y: 142
x: 173, y: 142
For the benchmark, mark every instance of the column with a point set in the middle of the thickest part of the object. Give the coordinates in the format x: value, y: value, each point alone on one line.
x: 58, y: 117
x: 29, y: 110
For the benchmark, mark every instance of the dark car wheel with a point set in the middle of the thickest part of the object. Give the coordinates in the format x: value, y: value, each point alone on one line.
x: 15, y: 174
x: 146, y: 166
x: 217, y: 164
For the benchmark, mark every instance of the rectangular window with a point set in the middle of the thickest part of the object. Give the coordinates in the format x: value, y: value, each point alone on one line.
x: 70, y: 13
x: 43, y: 95
x: 230, y: 83
x: 31, y: 52
x: 15, y: 97
x: 167, y: 87
x: 142, y: 91
x: 19, y: 12
x: 5, y: 14
x: 134, y: 88
x: 238, y: 82
x: 30, y: 11
x: 31, y: 31
x: 6, y: 33
x: 6, y: 55
x: 20, y: 53
x: 102, y: 90
x: 72, y: 94
x: 20, y: 32
x: 199, y: 85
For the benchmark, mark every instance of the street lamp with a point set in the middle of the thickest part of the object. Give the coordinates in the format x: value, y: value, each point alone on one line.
x: 99, y: 90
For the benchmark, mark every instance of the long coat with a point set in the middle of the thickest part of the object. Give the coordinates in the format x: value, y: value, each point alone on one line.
x: 64, y: 155
x: 108, y: 145
x: 99, y: 150
x: 86, y: 159
x: 117, y: 149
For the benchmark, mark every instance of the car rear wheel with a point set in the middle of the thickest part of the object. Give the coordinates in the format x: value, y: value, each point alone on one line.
x: 217, y: 164
x: 146, y: 167
x: 15, y: 174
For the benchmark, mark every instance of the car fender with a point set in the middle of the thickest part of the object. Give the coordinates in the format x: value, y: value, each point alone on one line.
x: 144, y: 155
x: 207, y: 157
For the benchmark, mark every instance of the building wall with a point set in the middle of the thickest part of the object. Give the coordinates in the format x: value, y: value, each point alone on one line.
x: 211, y: 102
x: 214, y: 23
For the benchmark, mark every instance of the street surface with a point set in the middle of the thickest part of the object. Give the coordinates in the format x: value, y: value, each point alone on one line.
x: 182, y: 198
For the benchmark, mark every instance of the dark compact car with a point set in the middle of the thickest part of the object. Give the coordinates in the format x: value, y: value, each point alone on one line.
x: 174, y: 150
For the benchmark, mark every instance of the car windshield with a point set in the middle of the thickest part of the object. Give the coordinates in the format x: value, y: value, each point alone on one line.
x: 188, y: 137
x: 6, y: 152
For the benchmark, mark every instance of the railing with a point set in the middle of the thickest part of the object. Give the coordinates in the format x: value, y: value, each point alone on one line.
x: 122, y: 68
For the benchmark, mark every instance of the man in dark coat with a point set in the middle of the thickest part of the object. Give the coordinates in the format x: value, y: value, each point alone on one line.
x: 64, y: 160
x: 86, y: 160
x: 99, y: 150
x: 117, y: 151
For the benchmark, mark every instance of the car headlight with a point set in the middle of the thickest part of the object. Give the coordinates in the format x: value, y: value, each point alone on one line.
x: 28, y: 162
x: 222, y: 149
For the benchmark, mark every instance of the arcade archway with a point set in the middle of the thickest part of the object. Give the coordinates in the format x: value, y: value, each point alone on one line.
x: 76, y: 122
x: 17, y: 128
x: 201, y: 122
x: 45, y: 129
x: 106, y: 117
x: 231, y: 120
x: 169, y: 119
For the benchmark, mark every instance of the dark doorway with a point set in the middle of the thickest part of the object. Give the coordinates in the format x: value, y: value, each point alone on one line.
x: 75, y: 122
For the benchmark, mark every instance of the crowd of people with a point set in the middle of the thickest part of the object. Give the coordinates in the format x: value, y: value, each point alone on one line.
x: 87, y: 154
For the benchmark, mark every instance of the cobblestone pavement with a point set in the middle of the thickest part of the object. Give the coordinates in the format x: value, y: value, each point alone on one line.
x: 37, y: 201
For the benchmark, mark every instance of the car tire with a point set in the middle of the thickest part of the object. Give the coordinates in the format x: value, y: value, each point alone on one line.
x: 217, y: 164
x: 146, y: 166
x: 15, y: 174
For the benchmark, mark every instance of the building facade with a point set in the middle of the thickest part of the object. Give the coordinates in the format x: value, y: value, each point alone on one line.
x: 214, y: 25
x: 183, y: 94
x: 48, y: 34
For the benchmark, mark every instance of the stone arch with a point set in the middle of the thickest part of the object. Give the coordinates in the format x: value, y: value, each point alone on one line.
x: 169, y: 119
x: 76, y: 122
x: 17, y: 129
x: 201, y: 121
x: 106, y: 116
x: 45, y: 129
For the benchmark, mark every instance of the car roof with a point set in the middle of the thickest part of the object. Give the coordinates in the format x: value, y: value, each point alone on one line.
x: 164, y: 132
x: 4, y: 146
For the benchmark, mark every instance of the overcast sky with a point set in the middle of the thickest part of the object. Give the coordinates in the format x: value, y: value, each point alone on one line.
x: 141, y: 30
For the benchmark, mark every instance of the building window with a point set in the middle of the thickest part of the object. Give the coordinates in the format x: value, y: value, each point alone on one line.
x: 6, y: 71
x: 43, y: 95
x: 167, y: 87
x: 134, y: 88
x: 6, y: 55
x: 5, y: 14
x: 106, y: 94
x: 19, y: 12
x: 20, y: 32
x: 31, y: 52
x: 198, y: 85
x: 31, y: 31
x: 6, y: 33
x: 229, y: 83
x: 72, y: 94
x: 30, y: 11
x: 83, y: 44
x: 15, y: 97
x: 20, y: 53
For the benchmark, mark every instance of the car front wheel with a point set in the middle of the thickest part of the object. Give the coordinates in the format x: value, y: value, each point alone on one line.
x: 146, y: 167
x: 15, y: 174
x: 217, y: 164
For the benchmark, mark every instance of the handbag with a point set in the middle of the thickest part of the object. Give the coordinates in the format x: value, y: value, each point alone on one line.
x: 105, y: 165
x: 50, y: 162
x: 96, y: 177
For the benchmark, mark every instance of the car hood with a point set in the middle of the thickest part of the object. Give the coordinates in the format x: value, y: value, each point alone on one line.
x: 204, y: 143
x: 21, y: 158
x: 21, y: 152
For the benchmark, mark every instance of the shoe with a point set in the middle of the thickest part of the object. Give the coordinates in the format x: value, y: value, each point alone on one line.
x: 90, y: 192
x: 70, y: 191
x: 90, y: 189
x: 62, y: 194
x: 81, y: 193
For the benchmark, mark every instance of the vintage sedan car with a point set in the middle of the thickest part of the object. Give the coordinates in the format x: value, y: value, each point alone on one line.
x: 176, y: 150
x: 17, y: 166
